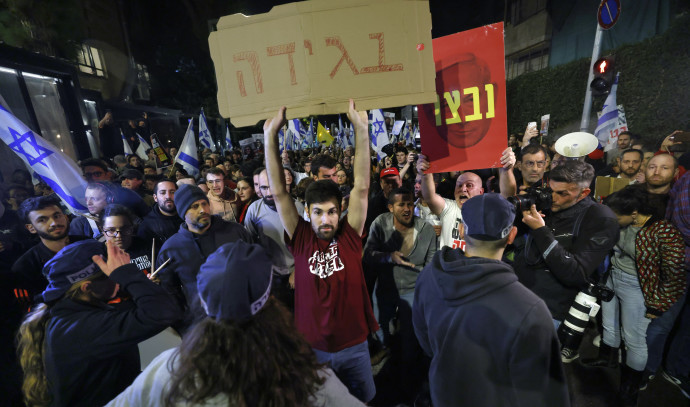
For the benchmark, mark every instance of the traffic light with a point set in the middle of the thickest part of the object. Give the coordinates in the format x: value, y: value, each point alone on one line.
x: 603, y: 76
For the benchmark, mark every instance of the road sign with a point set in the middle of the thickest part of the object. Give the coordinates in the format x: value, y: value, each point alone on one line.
x: 609, y: 11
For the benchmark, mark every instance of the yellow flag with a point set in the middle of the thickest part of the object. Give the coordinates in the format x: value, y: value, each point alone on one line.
x: 323, y: 136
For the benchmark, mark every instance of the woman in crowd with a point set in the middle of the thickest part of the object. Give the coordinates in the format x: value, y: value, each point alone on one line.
x: 266, y: 362
x: 647, y: 275
x: 289, y: 180
x: 75, y: 349
x: 342, y: 179
x: 246, y: 194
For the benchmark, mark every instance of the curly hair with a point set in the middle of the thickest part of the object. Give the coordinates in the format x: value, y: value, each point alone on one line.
x: 260, y: 362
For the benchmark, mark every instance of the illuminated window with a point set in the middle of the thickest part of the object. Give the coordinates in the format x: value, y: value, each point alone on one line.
x: 91, y: 61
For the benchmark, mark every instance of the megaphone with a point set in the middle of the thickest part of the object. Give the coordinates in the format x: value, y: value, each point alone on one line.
x: 575, y: 145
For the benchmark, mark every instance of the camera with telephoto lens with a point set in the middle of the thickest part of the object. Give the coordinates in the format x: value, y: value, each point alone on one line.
x: 572, y: 329
x: 602, y: 292
x: 536, y: 195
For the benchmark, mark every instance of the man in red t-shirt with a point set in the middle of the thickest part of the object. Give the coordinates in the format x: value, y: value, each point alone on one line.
x: 332, y: 307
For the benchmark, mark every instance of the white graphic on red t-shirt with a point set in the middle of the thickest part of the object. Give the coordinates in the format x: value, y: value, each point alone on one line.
x: 324, y: 264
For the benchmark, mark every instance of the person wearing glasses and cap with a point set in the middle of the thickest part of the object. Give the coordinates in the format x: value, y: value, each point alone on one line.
x: 78, y: 350
x: 266, y: 361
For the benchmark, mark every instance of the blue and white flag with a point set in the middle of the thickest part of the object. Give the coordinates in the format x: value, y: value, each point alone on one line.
x: 204, y: 135
x: 341, y: 137
x: 187, y: 156
x: 305, y: 137
x: 58, y: 170
x: 608, y: 121
x: 407, y: 134
x: 143, y: 146
x: 281, y: 140
x: 127, y: 147
x: 379, y: 135
x: 351, y: 135
x: 298, y: 133
x: 228, y: 140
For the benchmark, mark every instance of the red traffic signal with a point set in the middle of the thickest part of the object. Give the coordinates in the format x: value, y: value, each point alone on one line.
x: 603, y: 76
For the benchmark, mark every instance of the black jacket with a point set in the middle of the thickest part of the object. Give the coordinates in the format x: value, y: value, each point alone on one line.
x: 91, y: 352
x: 159, y: 226
x: 491, y: 340
x: 554, y: 264
x: 188, y: 251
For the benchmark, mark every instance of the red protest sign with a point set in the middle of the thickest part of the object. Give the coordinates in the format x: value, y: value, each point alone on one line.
x: 467, y: 126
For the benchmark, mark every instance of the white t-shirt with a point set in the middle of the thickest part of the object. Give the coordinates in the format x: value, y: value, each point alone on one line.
x: 451, y: 218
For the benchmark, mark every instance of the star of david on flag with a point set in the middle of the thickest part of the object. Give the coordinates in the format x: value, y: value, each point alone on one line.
x: 58, y: 170
x: 379, y: 135
x: 204, y: 135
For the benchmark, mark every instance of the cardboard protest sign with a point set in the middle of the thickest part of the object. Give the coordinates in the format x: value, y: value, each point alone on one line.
x: 466, y: 128
x: 313, y: 56
x: 605, y: 186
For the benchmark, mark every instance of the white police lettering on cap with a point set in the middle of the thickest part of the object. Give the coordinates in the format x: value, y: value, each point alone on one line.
x: 82, y: 274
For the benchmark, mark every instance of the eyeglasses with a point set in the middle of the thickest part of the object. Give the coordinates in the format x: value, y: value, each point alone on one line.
x: 112, y: 232
x: 94, y: 174
x: 539, y: 164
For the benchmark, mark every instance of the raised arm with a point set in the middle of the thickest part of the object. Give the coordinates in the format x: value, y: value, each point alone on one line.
x: 506, y: 178
x: 434, y: 200
x: 276, y: 177
x: 357, y: 211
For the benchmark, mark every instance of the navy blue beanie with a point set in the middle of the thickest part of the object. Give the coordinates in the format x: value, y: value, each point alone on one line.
x: 71, y: 265
x: 186, y: 196
x: 235, y: 281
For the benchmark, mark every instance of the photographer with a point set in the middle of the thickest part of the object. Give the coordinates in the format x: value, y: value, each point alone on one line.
x: 562, y: 249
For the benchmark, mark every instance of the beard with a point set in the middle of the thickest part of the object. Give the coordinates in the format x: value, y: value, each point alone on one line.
x: 325, y: 232
x: 167, y: 207
x: 53, y: 237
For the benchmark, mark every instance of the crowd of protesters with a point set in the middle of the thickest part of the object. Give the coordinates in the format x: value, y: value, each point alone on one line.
x: 289, y: 274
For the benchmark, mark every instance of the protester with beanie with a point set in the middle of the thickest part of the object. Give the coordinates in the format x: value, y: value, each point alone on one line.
x: 266, y: 362
x: 76, y: 350
x: 199, y: 236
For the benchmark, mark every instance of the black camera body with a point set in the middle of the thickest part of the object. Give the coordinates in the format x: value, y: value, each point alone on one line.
x: 602, y: 292
x: 535, y: 195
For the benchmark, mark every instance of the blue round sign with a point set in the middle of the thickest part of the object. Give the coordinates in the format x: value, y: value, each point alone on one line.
x: 609, y: 11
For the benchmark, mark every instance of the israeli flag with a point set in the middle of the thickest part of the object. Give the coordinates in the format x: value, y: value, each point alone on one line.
x: 187, y: 156
x: 295, y: 127
x: 228, y: 140
x: 204, y: 135
x: 407, y: 135
x: 143, y: 146
x: 342, y: 139
x: 58, y: 170
x: 127, y: 148
x: 379, y: 135
x: 608, y: 121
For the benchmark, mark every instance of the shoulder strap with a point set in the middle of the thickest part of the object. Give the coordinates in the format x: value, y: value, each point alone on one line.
x: 578, y: 221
